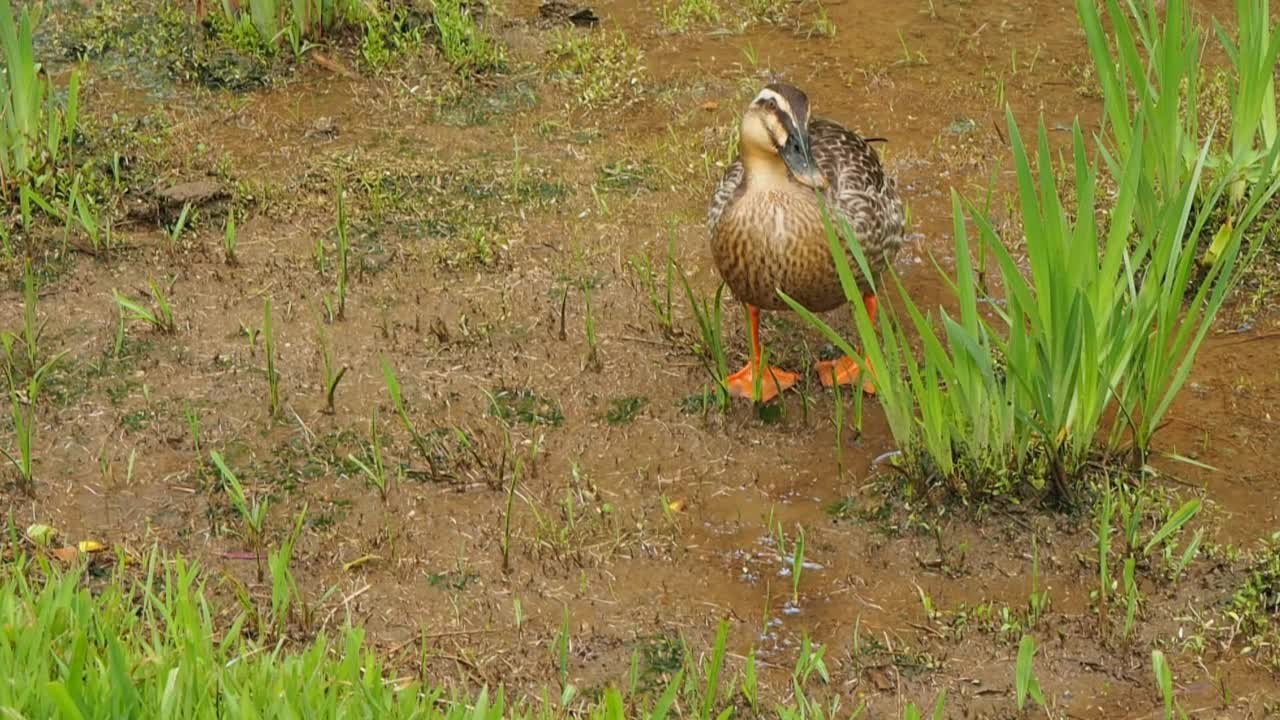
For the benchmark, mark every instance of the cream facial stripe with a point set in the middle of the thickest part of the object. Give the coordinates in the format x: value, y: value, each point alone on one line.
x: 783, y: 105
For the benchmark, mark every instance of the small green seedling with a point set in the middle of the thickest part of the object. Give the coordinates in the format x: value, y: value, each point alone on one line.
x: 1026, y: 685
x: 376, y: 471
x: 254, y: 516
x: 269, y: 348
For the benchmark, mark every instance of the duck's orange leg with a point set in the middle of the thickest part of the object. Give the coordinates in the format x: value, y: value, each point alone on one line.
x: 773, y: 381
x: 846, y: 370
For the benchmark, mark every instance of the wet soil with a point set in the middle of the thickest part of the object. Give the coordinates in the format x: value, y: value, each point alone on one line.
x: 471, y: 242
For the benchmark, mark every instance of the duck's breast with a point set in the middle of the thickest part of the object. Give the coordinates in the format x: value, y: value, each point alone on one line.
x: 774, y: 240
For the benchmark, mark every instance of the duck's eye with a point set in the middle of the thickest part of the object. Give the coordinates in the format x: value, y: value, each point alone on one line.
x: 768, y: 104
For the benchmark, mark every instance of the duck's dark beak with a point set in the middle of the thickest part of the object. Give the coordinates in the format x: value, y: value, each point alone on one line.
x: 798, y: 156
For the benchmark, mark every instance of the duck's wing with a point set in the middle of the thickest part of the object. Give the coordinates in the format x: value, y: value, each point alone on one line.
x: 848, y: 161
x: 860, y: 190
x: 730, y: 186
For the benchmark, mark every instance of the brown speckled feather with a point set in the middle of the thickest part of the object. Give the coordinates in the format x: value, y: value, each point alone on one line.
x: 763, y: 241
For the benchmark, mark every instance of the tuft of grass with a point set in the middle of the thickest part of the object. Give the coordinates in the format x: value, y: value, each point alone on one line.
x: 602, y: 69
x: 1151, y: 67
x: 525, y: 406
x: 37, y: 130
x: 797, y: 566
x: 1099, y: 325
x: 264, y: 25
x: 464, y: 42
x: 32, y: 327
x: 823, y: 25
x: 391, y: 35
x: 647, y: 277
x: 344, y: 253
x: 23, y: 417
x: 679, y: 16
x: 161, y: 319
x: 1164, y: 681
x: 592, y: 361
x: 332, y: 376
x: 175, y: 233
x: 269, y: 350
x: 1254, y: 609
x: 26, y: 375
x: 1106, y: 510
x: 375, y: 471
x: 192, y: 416
x: 1253, y: 135
x: 230, y: 240
x: 765, y: 11
x: 627, y: 176
x: 623, y: 410
x: 709, y: 317
x: 285, y: 593
x: 253, y: 516
x: 1025, y: 682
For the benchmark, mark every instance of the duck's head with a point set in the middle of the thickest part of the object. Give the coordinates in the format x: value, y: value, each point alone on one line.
x: 775, y: 134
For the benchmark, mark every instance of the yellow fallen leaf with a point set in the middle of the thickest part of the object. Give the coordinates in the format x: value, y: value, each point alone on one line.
x: 676, y: 506
x: 91, y: 546
x: 359, y: 561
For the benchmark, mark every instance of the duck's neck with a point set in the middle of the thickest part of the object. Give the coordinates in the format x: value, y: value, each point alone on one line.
x: 765, y: 170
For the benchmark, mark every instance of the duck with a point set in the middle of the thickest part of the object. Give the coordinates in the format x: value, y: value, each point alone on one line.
x: 767, y: 231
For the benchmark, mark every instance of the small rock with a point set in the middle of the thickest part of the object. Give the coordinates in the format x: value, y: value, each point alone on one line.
x: 323, y: 129
x: 197, y: 193
x: 562, y: 11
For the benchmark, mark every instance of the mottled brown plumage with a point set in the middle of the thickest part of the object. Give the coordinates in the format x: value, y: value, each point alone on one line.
x: 767, y: 235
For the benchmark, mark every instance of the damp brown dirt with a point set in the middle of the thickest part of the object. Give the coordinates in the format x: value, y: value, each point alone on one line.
x: 657, y: 524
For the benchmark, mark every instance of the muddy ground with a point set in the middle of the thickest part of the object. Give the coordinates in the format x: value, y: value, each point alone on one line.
x: 478, y: 212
